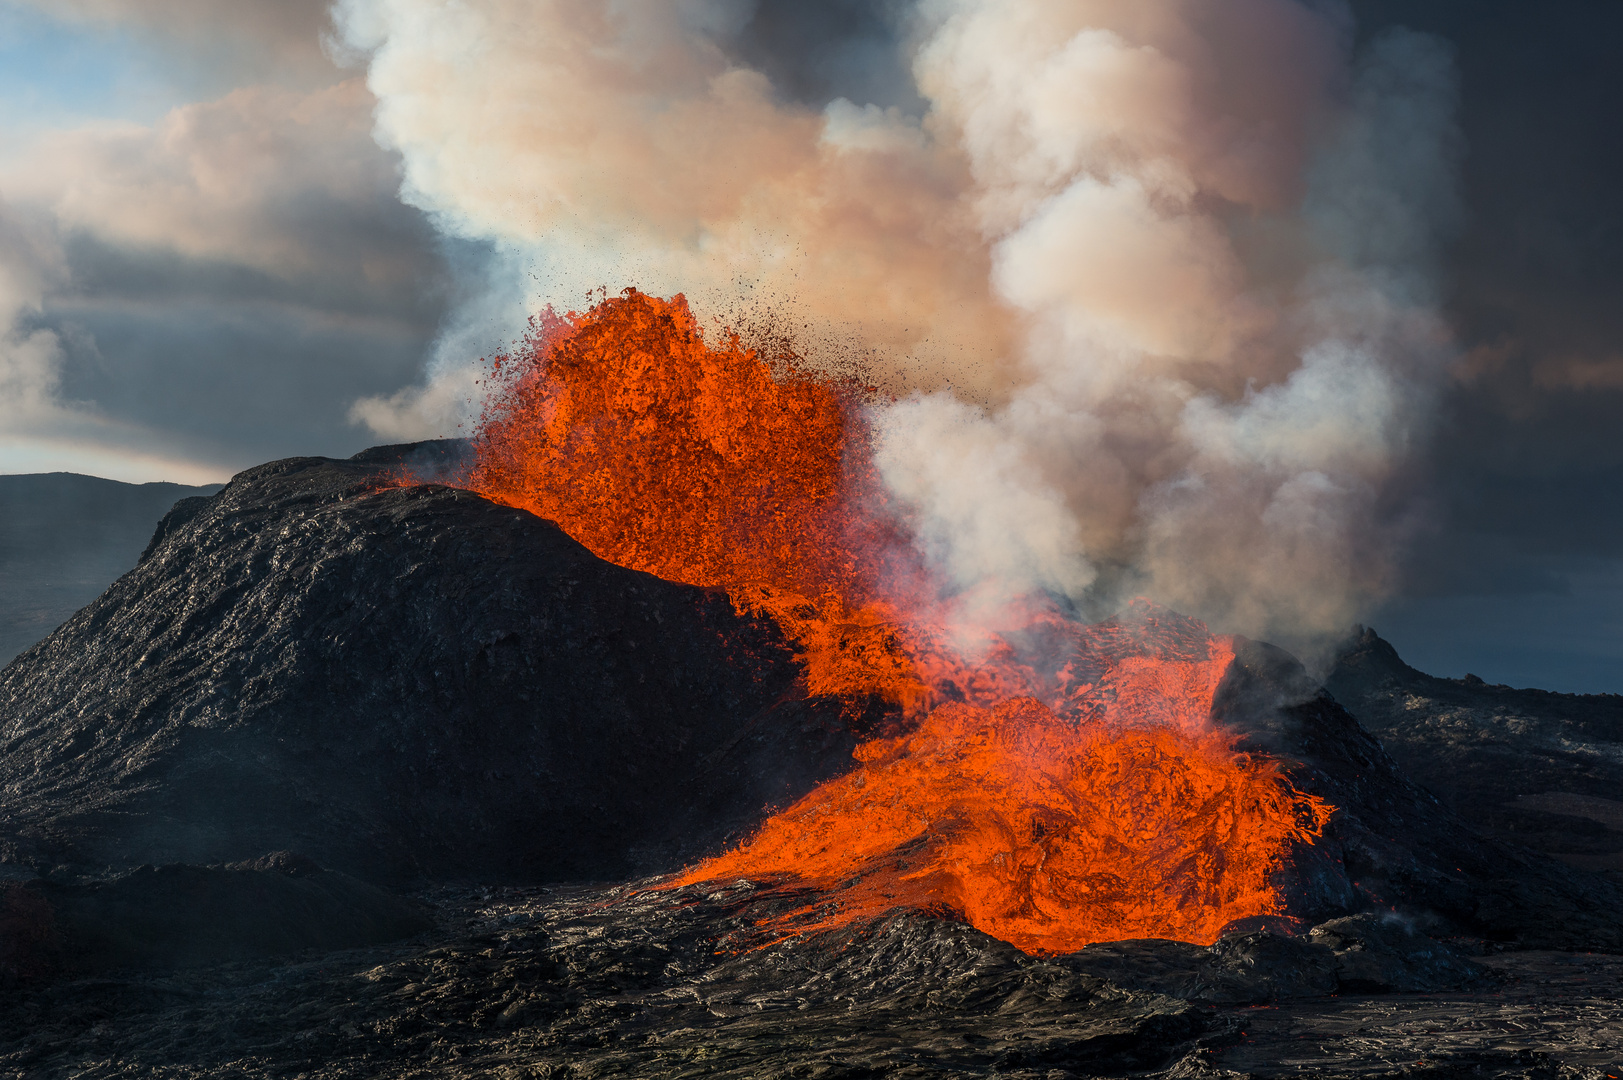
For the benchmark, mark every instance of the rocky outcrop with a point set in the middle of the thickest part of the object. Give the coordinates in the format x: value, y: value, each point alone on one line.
x: 1537, y: 769
x: 1358, y: 954
x: 1393, y: 846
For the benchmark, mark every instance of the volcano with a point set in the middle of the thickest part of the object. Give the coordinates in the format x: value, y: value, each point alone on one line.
x: 398, y: 682
x: 628, y: 732
x: 413, y: 685
x: 407, y: 683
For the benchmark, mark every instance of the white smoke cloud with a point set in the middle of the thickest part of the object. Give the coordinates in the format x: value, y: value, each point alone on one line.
x: 1275, y: 521
x: 1228, y: 336
x: 1154, y: 281
x: 606, y: 144
x: 30, y: 356
x: 972, y: 478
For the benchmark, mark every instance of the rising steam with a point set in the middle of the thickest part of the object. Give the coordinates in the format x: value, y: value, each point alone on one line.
x: 1151, y: 284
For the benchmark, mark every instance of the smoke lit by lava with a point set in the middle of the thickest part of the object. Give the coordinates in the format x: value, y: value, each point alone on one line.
x: 1149, y: 285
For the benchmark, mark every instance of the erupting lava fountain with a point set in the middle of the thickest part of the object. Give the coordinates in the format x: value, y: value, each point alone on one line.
x: 1054, y: 785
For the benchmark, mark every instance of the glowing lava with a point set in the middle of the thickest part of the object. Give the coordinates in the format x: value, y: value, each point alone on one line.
x: 708, y: 465
x: 1042, y: 831
x: 1066, y: 787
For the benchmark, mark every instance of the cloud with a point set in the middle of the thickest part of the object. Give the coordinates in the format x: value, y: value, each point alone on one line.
x: 1153, y: 283
x: 816, y: 53
x: 220, y: 285
x: 29, y: 355
x: 1580, y: 373
x: 285, y: 182
x: 655, y: 157
x: 245, y: 40
x: 40, y: 429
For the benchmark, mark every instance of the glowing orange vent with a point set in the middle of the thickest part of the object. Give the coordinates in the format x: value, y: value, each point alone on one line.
x: 705, y: 465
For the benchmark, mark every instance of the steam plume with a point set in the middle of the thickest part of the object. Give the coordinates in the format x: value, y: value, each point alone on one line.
x: 1152, y: 283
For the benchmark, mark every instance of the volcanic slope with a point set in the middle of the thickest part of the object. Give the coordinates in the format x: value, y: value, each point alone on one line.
x: 1394, y: 845
x: 398, y: 682
x: 1535, y: 768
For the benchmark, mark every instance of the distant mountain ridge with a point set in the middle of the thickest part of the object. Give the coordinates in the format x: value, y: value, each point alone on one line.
x: 65, y: 537
x: 1531, y: 767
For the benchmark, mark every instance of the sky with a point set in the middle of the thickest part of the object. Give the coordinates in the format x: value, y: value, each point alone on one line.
x: 1365, y: 368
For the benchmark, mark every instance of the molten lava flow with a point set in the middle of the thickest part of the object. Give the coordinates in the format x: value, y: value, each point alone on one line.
x: 1047, y: 833
x: 1067, y: 786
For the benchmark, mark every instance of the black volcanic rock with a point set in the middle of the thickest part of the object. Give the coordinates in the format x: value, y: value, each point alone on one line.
x: 1392, y: 845
x: 1365, y: 953
x: 408, y: 681
x: 611, y: 982
x: 1382, y: 954
x: 619, y: 981
x: 1538, y: 769
x: 398, y: 681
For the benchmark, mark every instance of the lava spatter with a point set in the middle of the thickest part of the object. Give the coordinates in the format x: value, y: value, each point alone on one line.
x: 711, y: 465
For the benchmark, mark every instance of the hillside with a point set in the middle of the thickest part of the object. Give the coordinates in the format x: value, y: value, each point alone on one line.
x: 63, y: 539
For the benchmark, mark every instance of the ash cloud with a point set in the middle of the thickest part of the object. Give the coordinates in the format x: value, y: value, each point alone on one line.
x: 1154, y: 287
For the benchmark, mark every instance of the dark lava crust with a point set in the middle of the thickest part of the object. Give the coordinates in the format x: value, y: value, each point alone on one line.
x: 1528, y: 767
x: 1393, y: 845
x: 608, y: 981
x: 398, y: 682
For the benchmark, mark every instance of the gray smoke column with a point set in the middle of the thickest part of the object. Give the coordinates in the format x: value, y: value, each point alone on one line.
x: 1152, y: 283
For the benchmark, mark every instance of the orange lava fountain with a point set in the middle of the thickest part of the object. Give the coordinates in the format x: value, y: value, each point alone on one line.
x: 1081, y: 796
x: 708, y: 465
